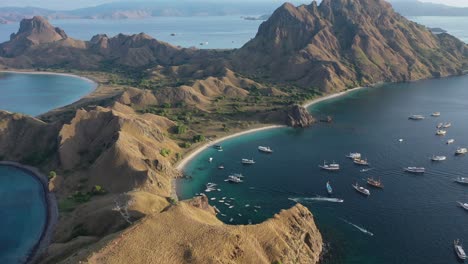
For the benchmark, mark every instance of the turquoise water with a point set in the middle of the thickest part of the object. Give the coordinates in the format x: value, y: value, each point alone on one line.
x: 414, y: 219
x: 22, y: 214
x: 35, y: 94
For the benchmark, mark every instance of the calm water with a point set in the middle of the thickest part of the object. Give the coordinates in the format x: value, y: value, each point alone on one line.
x: 456, y: 26
x: 35, y: 94
x: 220, y: 32
x: 22, y: 214
x: 414, y: 219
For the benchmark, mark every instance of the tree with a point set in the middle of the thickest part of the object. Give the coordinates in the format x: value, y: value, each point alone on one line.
x: 198, y: 138
x: 165, y: 152
x: 181, y: 129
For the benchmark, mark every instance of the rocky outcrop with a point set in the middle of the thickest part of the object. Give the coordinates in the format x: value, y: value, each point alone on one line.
x: 298, y: 116
x: 190, y: 233
x: 347, y: 43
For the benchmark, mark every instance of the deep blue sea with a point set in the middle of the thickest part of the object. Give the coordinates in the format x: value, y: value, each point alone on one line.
x: 22, y: 214
x: 35, y: 94
x: 414, y: 219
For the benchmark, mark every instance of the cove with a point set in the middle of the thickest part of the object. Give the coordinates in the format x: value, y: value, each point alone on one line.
x: 414, y: 219
x: 35, y: 94
x: 23, y: 214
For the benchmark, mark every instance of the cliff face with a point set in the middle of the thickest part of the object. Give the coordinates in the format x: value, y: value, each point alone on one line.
x: 190, y: 233
x: 345, y: 43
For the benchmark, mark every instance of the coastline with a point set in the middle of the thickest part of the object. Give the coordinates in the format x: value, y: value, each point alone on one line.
x: 51, y: 207
x: 181, y: 165
x: 96, y: 84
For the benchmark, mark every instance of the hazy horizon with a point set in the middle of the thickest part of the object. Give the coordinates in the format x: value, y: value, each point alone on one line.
x: 70, y: 5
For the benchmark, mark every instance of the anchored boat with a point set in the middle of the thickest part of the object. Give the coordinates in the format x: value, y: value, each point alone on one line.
x: 461, y: 180
x: 354, y: 155
x: 265, y: 149
x: 438, y: 158
x: 375, y: 183
x: 461, y: 151
x: 463, y: 205
x: 361, y: 189
x: 417, y: 170
x: 330, y: 167
x: 234, y: 179
x: 450, y: 141
x: 435, y: 114
x: 361, y: 162
x: 247, y: 161
x: 441, y: 132
x: 459, y: 249
x: 329, y: 188
x: 447, y: 125
x: 416, y: 117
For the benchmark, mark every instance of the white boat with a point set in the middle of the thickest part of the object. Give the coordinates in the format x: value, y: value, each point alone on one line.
x: 463, y: 205
x: 401, y: 140
x: 461, y: 180
x: 330, y: 167
x: 438, y: 158
x: 210, y: 159
x: 441, y: 132
x: 210, y: 187
x: 435, y: 114
x: 218, y: 147
x: 329, y: 188
x: 247, y: 161
x: 361, y: 162
x: 361, y: 189
x: 265, y: 149
x: 459, y: 249
x: 354, y: 155
x: 221, y: 167
x: 440, y: 125
x: 238, y: 175
x: 416, y: 117
x: 234, y: 179
x: 447, y: 125
x: 415, y: 169
x: 461, y: 151
x: 450, y: 141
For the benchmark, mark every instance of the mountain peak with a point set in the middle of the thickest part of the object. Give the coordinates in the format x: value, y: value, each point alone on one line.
x: 39, y: 30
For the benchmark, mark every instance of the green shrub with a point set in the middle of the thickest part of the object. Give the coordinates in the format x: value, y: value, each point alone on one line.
x: 98, y: 189
x: 165, y: 152
x: 198, y: 138
x: 52, y: 174
x: 181, y: 129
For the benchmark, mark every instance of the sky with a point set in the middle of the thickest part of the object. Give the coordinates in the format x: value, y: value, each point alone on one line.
x: 73, y: 4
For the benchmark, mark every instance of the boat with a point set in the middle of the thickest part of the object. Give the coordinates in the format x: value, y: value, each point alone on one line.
x: 375, y: 183
x: 450, y: 141
x: 210, y: 187
x: 463, y: 205
x: 461, y: 180
x: 354, y: 155
x: 329, y: 188
x: 416, y: 117
x: 233, y: 179
x: 435, y: 114
x: 461, y: 151
x: 415, y: 169
x: 440, y: 125
x: 265, y: 149
x: 459, y: 249
x: 361, y: 189
x: 361, y: 162
x: 401, y: 140
x: 247, y: 161
x: 366, y: 170
x: 221, y: 167
x: 438, y: 158
x: 210, y: 159
x: 447, y: 125
x: 441, y: 132
x: 330, y: 167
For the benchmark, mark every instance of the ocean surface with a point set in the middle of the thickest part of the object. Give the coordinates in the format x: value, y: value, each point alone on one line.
x: 35, y: 94
x: 221, y: 32
x: 414, y: 219
x: 22, y: 214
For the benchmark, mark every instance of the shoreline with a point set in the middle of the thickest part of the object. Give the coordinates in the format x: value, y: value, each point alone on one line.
x: 181, y: 165
x: 51, y: 211
x: 96, y: 84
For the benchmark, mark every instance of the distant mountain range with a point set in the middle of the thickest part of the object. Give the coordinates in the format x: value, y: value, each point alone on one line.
x: 143, y: 9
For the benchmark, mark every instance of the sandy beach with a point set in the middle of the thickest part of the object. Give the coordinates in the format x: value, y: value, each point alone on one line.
x: 331, y: 96
x: 52, y: 211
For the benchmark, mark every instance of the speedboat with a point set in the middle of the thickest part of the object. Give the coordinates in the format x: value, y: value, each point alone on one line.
x: 366, y: 170
x: 330, y: 167
x: 361, y: 189
x: 375, y: 183
x: 440, y: 125
x: 220, y: 167
x: 441, y: 132
x: 461, y: 180
x: 210, y: 187
x: 435, y: 114
x: 463, y: 205
x: 450, y: 141
x: 238, y: 175
x: 361, y: 162
x: 210, y: 159
x: 416, y: 117
x: 265, y: 149
x: 329, y: 188
x: 461, y: 151
x: 218, y: 147
x: 415, y: 169
x: 447, y: 125
x: 248, y: 161
x: 459, y: 249
x: 233, y: 179
x: 438, y: 158
x: 354, y: 155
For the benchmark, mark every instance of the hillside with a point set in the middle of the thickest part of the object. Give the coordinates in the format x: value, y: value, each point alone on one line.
x: 344, y: 43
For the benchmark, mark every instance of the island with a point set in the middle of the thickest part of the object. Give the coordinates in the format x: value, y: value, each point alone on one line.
x: 116, y: 150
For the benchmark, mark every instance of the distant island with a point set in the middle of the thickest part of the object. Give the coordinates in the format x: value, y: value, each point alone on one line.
x: 145, y: 9
x: 115, y: 152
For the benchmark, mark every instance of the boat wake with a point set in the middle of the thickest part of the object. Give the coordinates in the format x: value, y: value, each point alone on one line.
x: 317, y: 199
x: 363, y: 230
